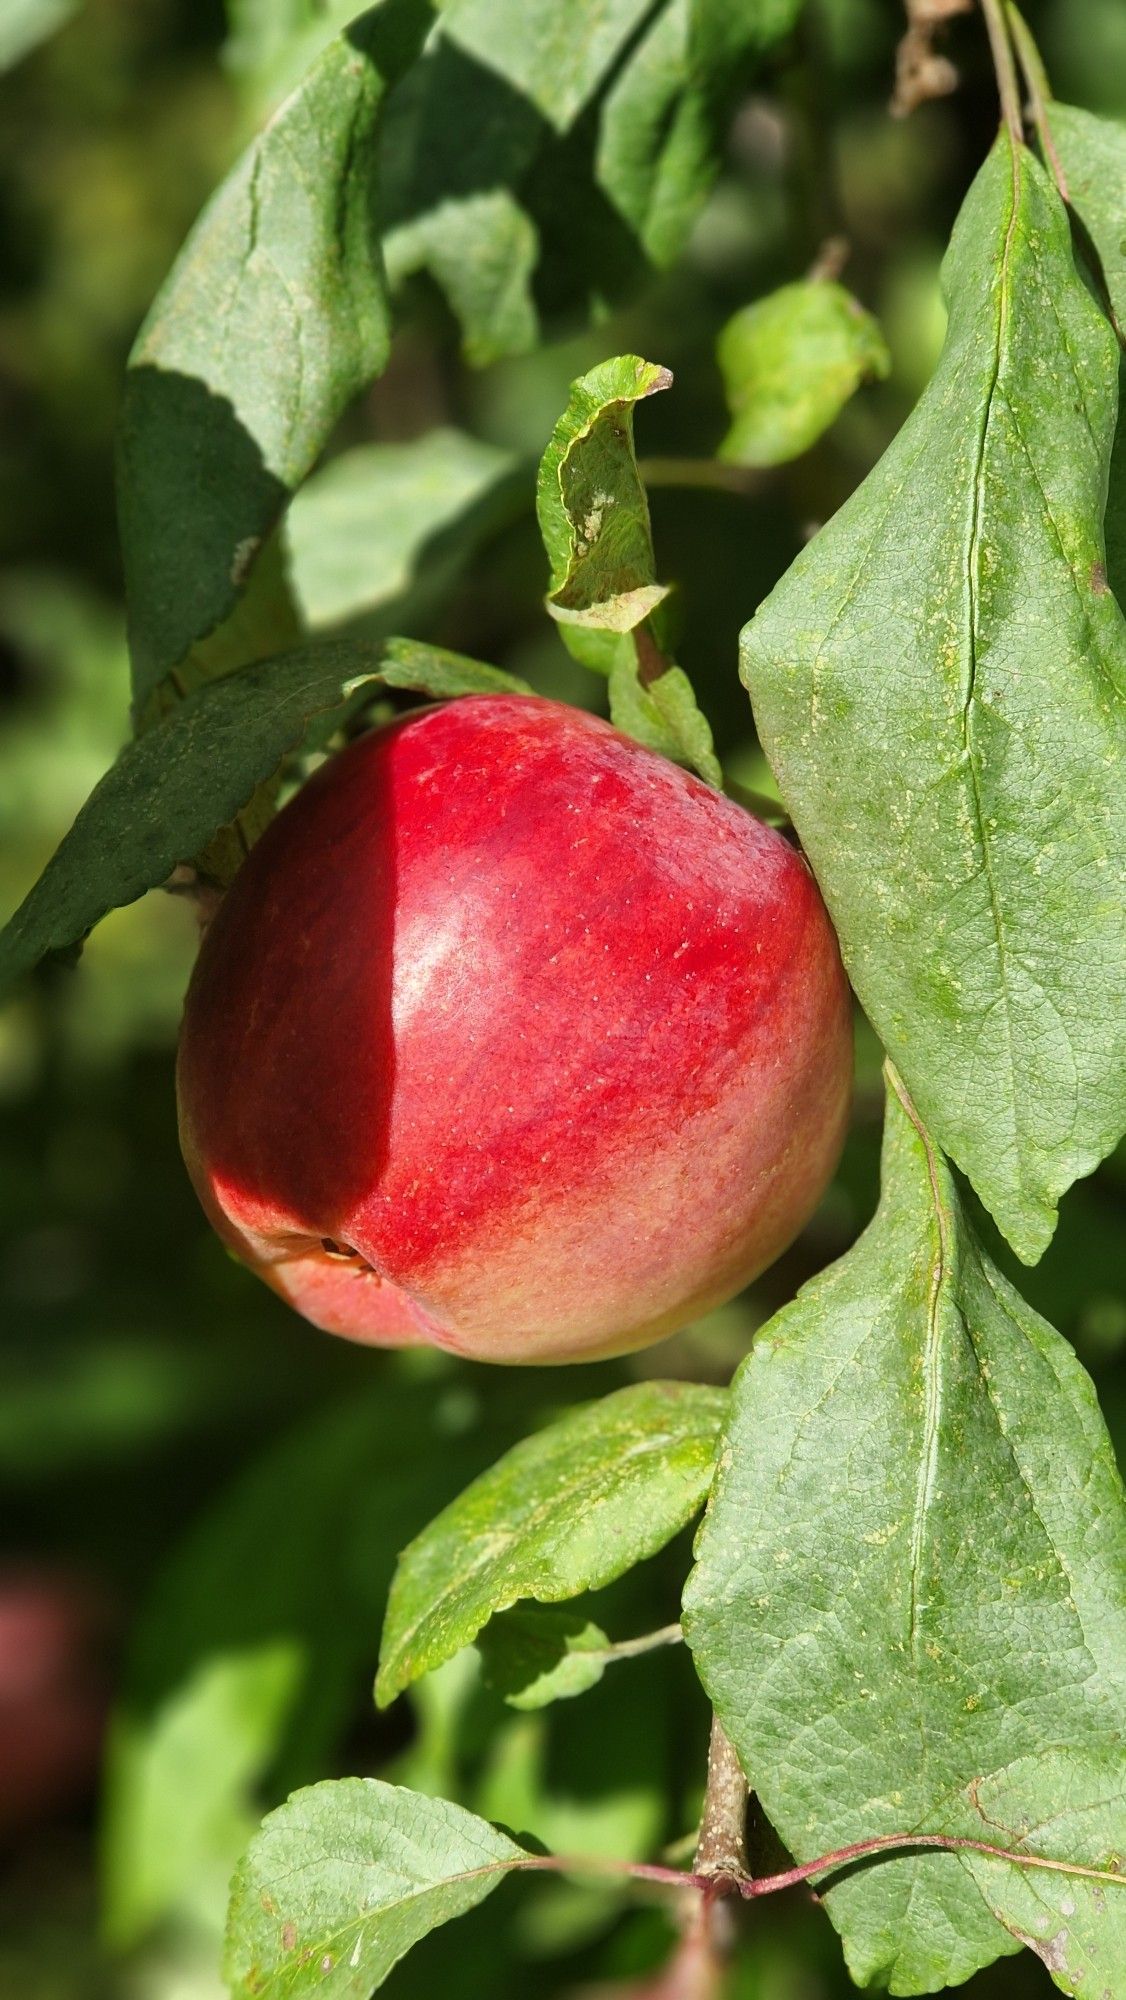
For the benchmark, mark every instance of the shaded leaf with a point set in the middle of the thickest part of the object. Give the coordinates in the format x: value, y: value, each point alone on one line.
x: 482, y: 250
x: 361, y: 527
x: 939, y: 683
x: 345, y: 1878
x: 1093, y: 153
x: 554, y: 56
x: 567, y: 1510
x: 944, y: 1650
x: 456, y: 144
x: 172, y: 788
x: 534, y: 1655
x: 273, y: 317
x: 663, y: 121
x: 433, y: 670
x: 790, y: 363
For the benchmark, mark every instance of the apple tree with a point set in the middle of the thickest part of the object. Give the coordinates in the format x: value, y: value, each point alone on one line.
x: 903, y: 1612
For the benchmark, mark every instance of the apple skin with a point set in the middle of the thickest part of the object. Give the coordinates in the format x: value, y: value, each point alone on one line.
x: 551, y: 1037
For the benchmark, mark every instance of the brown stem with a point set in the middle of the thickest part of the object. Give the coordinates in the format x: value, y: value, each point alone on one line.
x: 1004, y: 67
x: 721, y: 1848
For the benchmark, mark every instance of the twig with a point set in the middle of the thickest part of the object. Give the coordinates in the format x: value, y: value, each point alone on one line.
x: 921, y: 74
x: 1039, y: 92
x: 751, y: 1886
x: 721, y: 1849
x: 1005, y: 68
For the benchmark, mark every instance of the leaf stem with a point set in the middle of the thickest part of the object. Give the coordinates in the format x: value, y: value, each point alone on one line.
x: 1039, y: 91
x: 730, y: 1882
x: 647, y: 1642
x: 1004, y: 67
x: 713, y: 472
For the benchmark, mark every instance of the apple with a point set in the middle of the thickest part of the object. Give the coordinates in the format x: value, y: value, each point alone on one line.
x: 513, y: 1038
x: 52, y: 1693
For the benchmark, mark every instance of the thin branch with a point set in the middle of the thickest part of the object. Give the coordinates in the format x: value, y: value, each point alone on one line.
x: 1005, y: 68
x: 628, y: 1649
x: 751, y: 1886
x: 887, y: 1843
x: 721, y: 1849
x: 1039, y: 92
x: 921, y: 73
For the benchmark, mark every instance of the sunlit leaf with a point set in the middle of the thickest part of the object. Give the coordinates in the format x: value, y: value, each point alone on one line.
x: 790, y: 363
x: 345, y: 1878
x: 940, y: 684
x: 568, y: 1510
x: 908, y: 1604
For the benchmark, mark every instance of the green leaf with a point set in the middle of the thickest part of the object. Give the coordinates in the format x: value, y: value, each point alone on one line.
x: 273, y: 317
x: 554, y: 56
x: 362, y: 528
x: 433, y: 670
x: 345, y: 1878
x: 790, y: 363
x: 567, y: 1510
x: 534, y: 1655
x: 172, y: 788
x: 940, y: 684
x: 908, y: 1606
x: 1093, y: 153
x: 271, y: 43
x: 456, y: 145
x: 663, y: 121
x: 26, y: 23
x: 593, y: 513
x: 594, y: 519
x: 482, y: 249
x: 245, y: 1663
x: 661, y: 712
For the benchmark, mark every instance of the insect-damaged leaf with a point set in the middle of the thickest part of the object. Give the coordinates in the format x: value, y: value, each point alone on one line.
x: 940, y: 684
x: 909, y: 1605
x: 594, y: 519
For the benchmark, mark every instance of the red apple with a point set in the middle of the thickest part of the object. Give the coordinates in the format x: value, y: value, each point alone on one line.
x: 52, y: 1693
x: 513, y: 1038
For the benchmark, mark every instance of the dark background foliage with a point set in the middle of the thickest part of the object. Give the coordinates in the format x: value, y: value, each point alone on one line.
x: 145, y: 1382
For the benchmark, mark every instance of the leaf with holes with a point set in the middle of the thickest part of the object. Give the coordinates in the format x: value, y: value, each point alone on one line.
x: 908, y: 1603
x: 940, y: 684
x: 568, y: 1510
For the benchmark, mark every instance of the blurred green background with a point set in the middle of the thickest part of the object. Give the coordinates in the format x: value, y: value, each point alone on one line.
x: 213, y: 1493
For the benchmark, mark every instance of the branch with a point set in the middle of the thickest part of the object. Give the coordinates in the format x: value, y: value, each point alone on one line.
x: 1005, y: 68
x: 721, y: 1849
x: 1039, y: 92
